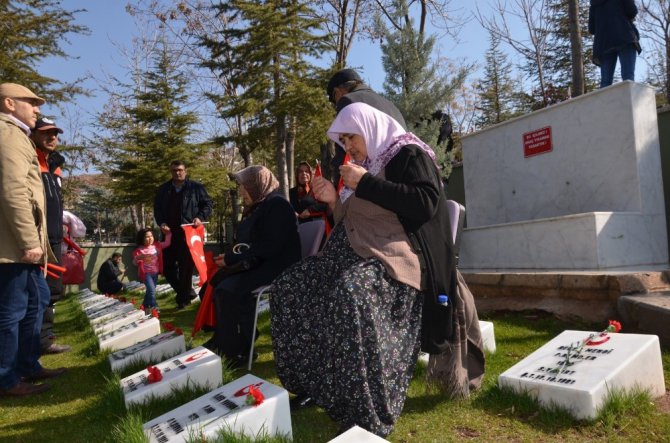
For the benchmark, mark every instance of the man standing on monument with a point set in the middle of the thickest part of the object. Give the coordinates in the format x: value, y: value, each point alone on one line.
x: 45, y: 136
x: 180, y: 201
x: 24, y: 246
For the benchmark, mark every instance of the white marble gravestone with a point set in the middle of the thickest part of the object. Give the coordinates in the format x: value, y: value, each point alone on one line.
x: 128, y: 335
x: 581, y: 384
x: 590, y: 198
x: 225, y: 409
x: 115, y: 322
x: 152, y: 350
x: 109, y: 312
x: 199, y: 366
x: 488, y: 338
x: 357, y: 435
x: 92, y: 299
x: 100, y: 305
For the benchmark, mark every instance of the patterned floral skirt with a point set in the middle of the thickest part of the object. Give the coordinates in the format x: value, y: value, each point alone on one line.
x: 346, y: 334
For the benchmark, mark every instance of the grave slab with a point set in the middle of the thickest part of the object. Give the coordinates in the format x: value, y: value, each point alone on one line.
x: 109, y: 312
x: 112, y: 323
x: 225, y: 409
x: 556, y: 374
x: 357, y: 435
x: 130, y: 334
x: 199, y: 366
x: 98, y: 306
x: 152, y: 350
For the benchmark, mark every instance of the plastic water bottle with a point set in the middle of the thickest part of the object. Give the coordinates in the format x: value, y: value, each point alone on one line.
x: 443, y: 299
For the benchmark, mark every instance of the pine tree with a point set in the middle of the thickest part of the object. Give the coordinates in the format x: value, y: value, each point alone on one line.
x: 31, y: 31
x: 148, y: 130
x: 496, y: 90
x: 273, y: 88
x: 558, y: 64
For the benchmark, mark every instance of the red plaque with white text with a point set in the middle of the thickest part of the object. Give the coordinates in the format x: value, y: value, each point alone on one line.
x: 537, y: 142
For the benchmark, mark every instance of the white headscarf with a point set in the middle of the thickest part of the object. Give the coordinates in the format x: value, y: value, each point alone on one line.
x: 383, y: 136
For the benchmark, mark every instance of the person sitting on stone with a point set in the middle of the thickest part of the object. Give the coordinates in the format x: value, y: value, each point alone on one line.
x: 110, y: 275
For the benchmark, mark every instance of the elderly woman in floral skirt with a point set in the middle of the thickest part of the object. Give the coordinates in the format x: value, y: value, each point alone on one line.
x: 347, y: 324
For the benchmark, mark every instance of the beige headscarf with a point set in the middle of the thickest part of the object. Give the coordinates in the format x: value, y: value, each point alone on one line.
x: 258, y: 181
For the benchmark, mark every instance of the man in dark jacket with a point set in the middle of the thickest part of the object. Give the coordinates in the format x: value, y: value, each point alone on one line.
x: 109, y: 274
x: 45, y: 136
x: 180, y: 201
x: 346, y: 87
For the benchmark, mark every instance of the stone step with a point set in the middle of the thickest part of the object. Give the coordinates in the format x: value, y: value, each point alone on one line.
x: 647, y: 313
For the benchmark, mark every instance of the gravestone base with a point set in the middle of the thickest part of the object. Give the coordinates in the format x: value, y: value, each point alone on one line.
x: 558, y: 375
x: 357, y: 435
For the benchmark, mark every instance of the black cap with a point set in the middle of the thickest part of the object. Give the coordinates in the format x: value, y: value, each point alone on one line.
x: 44, y: 124
x: 341, y: 77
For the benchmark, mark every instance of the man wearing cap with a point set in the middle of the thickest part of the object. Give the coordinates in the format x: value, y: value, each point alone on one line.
x: 24, y: 246
x: 346, y: 87
x: 45, y: 136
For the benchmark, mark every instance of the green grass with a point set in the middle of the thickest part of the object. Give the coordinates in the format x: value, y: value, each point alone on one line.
x: 86, y: 404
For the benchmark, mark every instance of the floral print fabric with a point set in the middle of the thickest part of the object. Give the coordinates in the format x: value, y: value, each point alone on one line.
x: 346, y: 334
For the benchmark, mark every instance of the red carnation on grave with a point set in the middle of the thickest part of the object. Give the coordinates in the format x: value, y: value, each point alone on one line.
x: 141, y: 307
x: 178, y: 331
x: 168, y: 326
x: 614, y: 326
x: 154, y: 374
x: 154, y: 313
x: 255, y: 397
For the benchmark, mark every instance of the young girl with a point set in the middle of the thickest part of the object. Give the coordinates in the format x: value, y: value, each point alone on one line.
x: 148, y: 257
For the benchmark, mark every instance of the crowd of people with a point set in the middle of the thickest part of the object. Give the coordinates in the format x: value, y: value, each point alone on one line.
x: 350, y: 350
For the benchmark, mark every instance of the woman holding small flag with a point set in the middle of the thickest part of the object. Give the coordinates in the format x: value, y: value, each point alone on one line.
x: 347, y: 324
x: 302, y: 198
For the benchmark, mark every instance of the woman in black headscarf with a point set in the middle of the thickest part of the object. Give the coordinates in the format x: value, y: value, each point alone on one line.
x: 267, y: 243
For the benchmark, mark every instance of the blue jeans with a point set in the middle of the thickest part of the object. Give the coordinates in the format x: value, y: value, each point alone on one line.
x: 627, y: 56
x: 24, y: 295
x: 150, y: 281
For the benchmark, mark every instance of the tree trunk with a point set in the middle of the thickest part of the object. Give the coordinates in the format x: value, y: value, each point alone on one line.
x: 290, y: 152
x: 576, y: 49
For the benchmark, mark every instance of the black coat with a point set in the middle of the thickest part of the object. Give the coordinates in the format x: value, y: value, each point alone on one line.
x: 196, y: 203
x: 611, y: 23
x: 422, y: 210
x: 271, y: 230
x: 307, y: 202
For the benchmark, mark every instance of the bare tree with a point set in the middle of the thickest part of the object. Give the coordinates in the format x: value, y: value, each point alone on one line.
x: 532, y: 46
x: 655, y: 23
x: 576, y: 48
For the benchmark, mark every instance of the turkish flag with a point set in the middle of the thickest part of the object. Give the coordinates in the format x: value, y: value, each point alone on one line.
x: 206, y: 315
x: 324, y: 215
x: 340, y: 184
x: 195, y: 244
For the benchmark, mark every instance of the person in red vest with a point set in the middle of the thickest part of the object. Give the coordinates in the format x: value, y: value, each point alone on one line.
x: 45, y: 135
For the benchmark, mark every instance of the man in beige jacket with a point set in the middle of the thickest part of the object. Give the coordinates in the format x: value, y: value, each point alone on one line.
x: 24, y: 246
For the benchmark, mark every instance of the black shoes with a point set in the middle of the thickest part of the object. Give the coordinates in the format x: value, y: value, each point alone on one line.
x: 301, y: 402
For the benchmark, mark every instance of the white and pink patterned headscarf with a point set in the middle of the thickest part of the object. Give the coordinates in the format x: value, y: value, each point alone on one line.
x: 383, y: 136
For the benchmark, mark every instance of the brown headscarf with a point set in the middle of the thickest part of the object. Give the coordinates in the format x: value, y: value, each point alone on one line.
x: 258, y: 181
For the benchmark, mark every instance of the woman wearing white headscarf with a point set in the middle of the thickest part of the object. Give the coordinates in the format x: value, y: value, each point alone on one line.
x: 347, y: 324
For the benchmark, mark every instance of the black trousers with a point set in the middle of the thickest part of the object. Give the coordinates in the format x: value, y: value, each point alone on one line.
x: 56, y: 290
x: 178, y: 267
x: 235, y: 307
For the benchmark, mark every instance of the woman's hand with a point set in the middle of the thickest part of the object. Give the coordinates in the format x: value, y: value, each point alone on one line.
x: 351, y: 174
x: 304, y: 214
x: 165, y: 228
x: 324, y: 191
